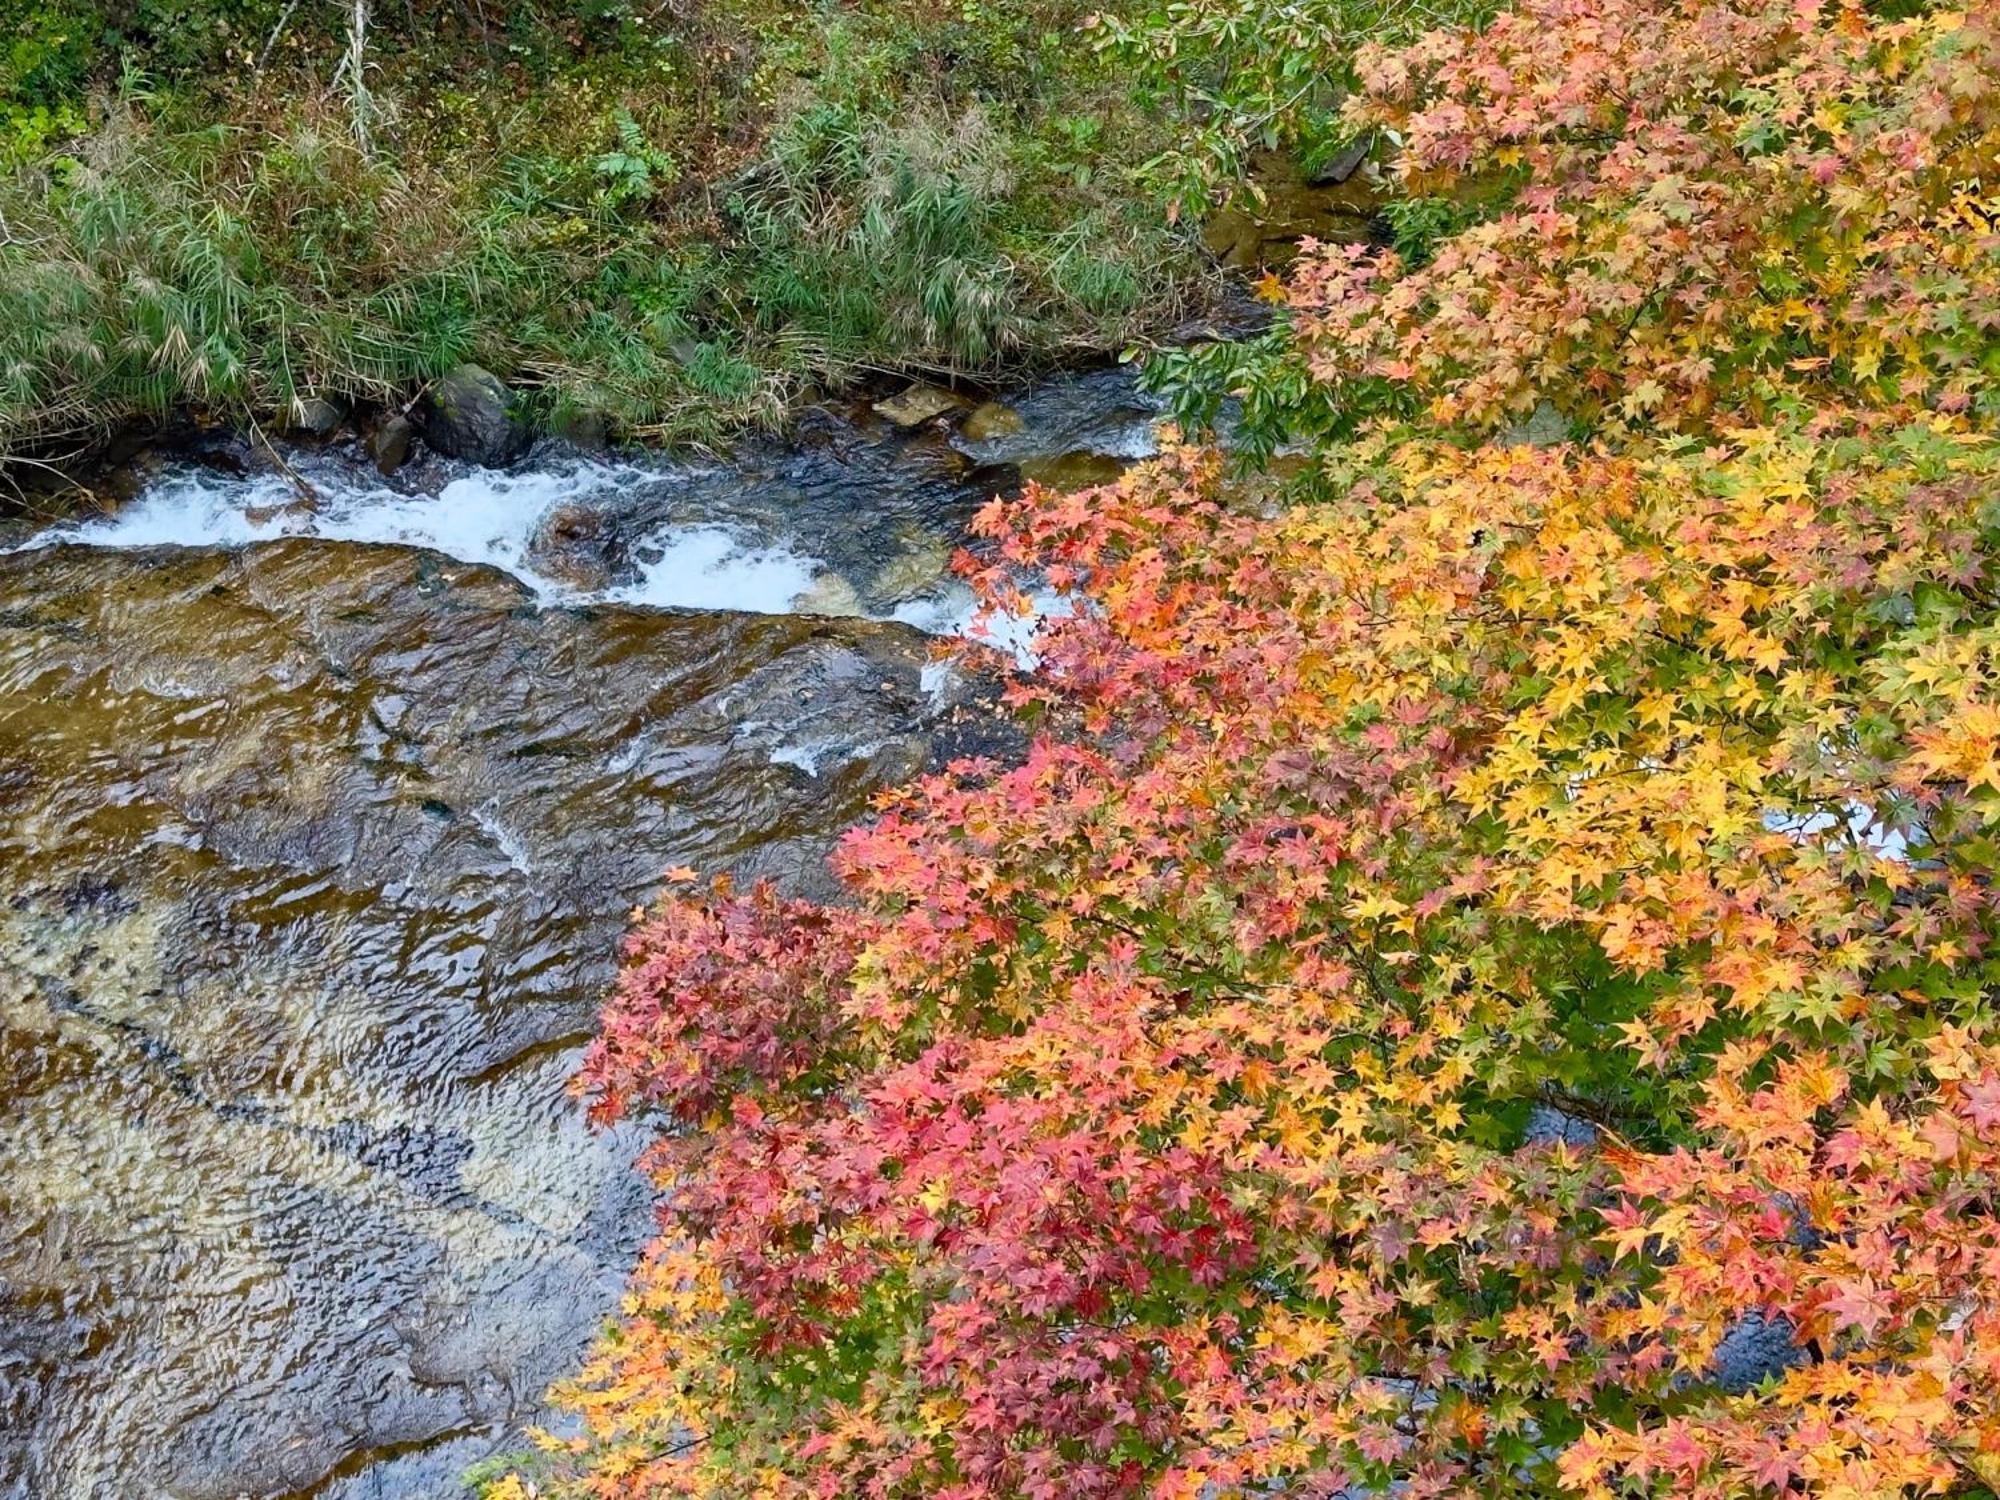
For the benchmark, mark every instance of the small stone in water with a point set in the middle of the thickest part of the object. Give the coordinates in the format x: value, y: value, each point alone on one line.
x: 911, y: 574
x: 830, y: 594
x: 917, y: 405
x: 389, y: 444
x: 258, y: 515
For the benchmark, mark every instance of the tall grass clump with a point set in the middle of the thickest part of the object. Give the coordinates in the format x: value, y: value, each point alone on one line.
x: 225, y: 269
x: 910, y: 243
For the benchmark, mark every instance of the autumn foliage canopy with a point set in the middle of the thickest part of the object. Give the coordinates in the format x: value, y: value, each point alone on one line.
x: 1485, y: 981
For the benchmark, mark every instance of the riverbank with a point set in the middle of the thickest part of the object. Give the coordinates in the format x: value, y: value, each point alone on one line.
x: 661, y: 228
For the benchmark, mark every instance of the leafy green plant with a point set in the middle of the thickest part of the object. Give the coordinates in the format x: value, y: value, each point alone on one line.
x: 1243, y: 76
x: 635, y: 170
x: 1419, y: 225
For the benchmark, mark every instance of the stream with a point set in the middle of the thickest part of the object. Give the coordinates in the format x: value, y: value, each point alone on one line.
x: 319, y: 826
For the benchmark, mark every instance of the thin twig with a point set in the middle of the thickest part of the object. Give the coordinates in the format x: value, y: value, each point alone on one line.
x: 298, y: 481
x: 284, y: 19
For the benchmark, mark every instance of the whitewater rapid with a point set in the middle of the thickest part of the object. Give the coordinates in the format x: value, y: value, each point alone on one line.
x: 490, y: 518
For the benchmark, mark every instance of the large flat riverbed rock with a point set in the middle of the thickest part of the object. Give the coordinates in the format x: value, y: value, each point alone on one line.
x: 314, y: 858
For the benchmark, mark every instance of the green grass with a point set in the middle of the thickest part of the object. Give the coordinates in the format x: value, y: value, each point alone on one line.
x: 677, y: 234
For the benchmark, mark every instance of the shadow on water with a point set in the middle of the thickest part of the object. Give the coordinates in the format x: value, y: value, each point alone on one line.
x: 314, y: 855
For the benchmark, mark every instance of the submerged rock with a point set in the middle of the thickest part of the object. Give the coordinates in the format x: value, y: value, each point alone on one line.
x: 317, y: 860
x: 1265, y: 230
x: 911, y: 574
x: 389, y: 443
x: 302, y: 505
x: 989, y: 421
x: 581, y: 547
x: 830, y: 594
x: 469, y: 413
x: 1072, y: 471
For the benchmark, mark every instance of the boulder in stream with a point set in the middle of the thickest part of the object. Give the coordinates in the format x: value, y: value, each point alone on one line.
x: 316, y: 416
x: 469, y: 413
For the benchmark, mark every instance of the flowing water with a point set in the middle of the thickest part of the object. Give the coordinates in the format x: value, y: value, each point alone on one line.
x: 319, y: 823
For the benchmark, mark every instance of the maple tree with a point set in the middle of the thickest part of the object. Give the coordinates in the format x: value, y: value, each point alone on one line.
x: 1483, y: 982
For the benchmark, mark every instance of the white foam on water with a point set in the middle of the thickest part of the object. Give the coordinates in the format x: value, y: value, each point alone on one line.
x: 799, y: 757
x: 489, y: 518
x: 711, y: 567
x: 1138, y: 439
x: 953, y: 611
x: 504, y: 838
x: 938, y: 680
x: 811, y: 756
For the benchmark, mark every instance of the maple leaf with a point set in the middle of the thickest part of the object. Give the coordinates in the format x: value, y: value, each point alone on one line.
x: 1860, y: 1304
x: 1982, y: 1101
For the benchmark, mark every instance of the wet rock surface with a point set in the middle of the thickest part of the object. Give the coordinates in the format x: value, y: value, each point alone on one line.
x: 989, y: 421
x: 388, y: 443
x: 315, y: 860
x: 579, y: 545
x: 315, y: 850
x: 1337, y: 206
x: 918, y: 404
x: 469, y: 414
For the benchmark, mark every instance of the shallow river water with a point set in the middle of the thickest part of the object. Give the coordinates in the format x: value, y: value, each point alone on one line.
x: 318, y: 829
